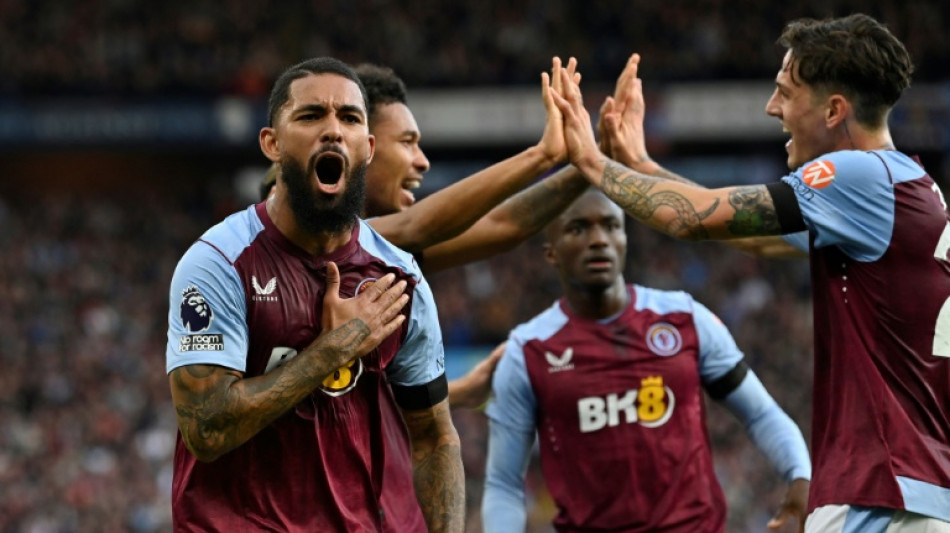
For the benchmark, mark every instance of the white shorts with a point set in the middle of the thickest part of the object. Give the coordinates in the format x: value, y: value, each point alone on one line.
x: 854, y: 519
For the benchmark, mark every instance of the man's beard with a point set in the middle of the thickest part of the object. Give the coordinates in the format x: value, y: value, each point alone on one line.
x: 320, y: 213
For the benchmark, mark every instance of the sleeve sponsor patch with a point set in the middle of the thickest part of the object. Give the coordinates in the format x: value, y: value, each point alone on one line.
x: 196, y: 316
x: 819, y: 174
x: 212, y: 342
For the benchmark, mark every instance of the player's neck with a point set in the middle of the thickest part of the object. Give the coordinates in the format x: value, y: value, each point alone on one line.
x: 598, y: 304
x: 855, y: 137
x: 315, y: 244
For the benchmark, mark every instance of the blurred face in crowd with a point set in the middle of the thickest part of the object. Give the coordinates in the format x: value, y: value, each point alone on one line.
x: 398, y: 164
x: 323, y: 146
x: 803, y: 112
x: 587, y: 243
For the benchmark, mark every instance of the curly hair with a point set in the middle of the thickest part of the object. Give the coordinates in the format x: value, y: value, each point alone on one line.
x: 318, y: 65
x: 856, y: 56
x: 383, y: 86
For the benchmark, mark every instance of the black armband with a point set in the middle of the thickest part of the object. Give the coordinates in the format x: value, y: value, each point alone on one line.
x: 787, y: 211
x: 723, y: 386
x: 415, y: 397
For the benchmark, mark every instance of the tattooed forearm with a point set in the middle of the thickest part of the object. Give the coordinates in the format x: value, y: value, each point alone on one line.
x: 537, y: 205
x: 218, y: 410
x: 440, y: 488
x: 672, y: 176
x: 634, y: 193
x: 755, y: 212
x: 438, y: 474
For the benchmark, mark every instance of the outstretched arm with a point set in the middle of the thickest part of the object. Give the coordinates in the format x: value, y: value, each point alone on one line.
x: 437, y: 474
x: 450, y: 211
x: 218, y: 409
x: 678, y: 209
x: 509, y: 224
x: 623, y: 138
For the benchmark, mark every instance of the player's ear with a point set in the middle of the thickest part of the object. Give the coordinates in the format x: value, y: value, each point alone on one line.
x: 837, y: 110
x: 372, y: 148
x: 268, y: 141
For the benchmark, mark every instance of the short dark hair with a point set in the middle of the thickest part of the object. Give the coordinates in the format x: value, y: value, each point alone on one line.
x: 383, y: 86
x: 318, y: 65
x: 854, y: 55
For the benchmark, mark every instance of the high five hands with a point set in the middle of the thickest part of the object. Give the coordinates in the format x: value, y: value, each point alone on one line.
x: 621, y: 117
x: 582, y: 148
x: 552, y: 140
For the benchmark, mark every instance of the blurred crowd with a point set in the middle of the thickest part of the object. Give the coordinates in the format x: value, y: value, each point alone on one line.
x: 193, y: 47
x: 87, y: 426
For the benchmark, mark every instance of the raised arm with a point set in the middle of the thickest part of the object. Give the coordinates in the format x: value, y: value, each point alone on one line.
x: 452, y: 210
x: 218, y: 409
x: 437, y: 460
x: 509, y: 224
x: 622, y: 137
x: 679, y: 209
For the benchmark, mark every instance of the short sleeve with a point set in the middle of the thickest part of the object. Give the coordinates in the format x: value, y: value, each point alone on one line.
x: 718, y: 352
x: 207, y: 312
x: 847, y: 200
x: 421, y: 358
x: 512, y: 402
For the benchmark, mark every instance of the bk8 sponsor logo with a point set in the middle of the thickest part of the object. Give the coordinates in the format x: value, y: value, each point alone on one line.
x: 651, y: 406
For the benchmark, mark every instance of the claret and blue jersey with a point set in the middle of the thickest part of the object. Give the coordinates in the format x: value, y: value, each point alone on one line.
x: 879, y: 237
x: 617, y: 406
x: 246, y: 298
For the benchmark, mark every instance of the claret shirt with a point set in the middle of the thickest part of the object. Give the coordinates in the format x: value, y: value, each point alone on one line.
x: 244, y: 297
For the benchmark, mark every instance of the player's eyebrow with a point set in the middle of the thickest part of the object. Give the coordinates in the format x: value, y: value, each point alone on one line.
x: 321, y: 108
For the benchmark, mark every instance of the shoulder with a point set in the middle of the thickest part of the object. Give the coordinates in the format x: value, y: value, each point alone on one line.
x: 230, y: 237
x: 842, y: 168
x: 662, y: 302
x: 541, y: 327
x: 377, y: 246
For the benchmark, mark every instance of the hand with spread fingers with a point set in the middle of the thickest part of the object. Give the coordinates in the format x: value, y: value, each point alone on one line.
x: 360, y: 323
x: 621, y: 121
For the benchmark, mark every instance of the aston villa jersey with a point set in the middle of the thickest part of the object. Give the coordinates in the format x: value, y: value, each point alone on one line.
x: 246, y: 298
x: 880, y: 236
x: 619, y: 411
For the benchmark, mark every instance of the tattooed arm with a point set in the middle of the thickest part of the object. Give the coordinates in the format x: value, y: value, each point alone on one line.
x: 684, y: 211
x: 218, y: 409
x: 678, y: 209
x: 509, y: 224
x: 437, y: 467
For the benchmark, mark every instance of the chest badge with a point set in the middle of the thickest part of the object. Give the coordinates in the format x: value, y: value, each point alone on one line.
x: 664, y: 339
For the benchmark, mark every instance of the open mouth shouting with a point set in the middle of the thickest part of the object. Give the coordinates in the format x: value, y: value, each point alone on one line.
x: 408, y: 186
x: 329, y: 167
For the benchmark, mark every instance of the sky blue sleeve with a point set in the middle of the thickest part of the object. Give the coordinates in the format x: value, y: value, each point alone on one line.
x: 421, y: 358
x: 503, y: 504
x: 799, y: 240
x: 512, y: 401
x: 772, y: 431
x: 847, y: 200
x: 718, y: 353
x: 206, y: 312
